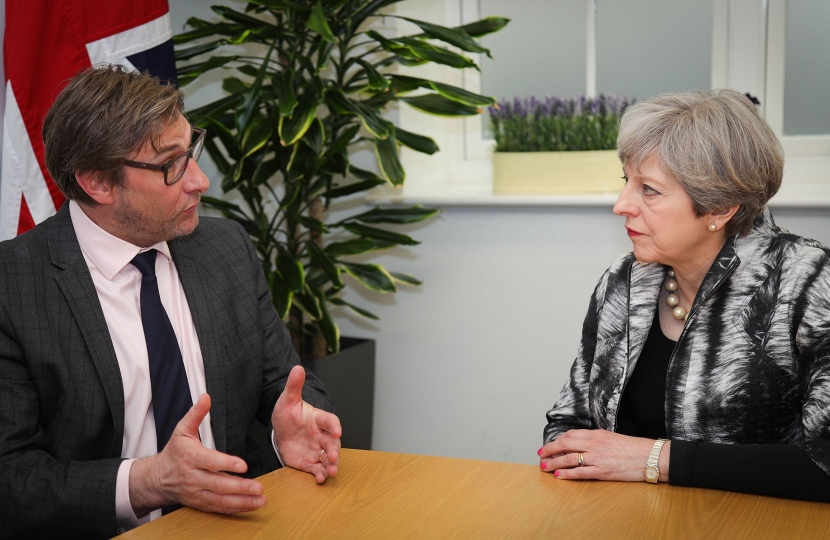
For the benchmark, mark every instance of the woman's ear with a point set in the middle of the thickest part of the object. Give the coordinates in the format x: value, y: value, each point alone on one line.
x: 94, y: 185
x: 721, y: 217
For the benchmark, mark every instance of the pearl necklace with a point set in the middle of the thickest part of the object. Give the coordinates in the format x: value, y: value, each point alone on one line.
x: 673, y: 300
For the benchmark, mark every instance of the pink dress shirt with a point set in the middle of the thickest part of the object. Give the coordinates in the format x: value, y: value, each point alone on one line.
x: 118, y: 284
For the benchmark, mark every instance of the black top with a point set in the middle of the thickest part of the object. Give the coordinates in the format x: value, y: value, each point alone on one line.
x: 777, y: 470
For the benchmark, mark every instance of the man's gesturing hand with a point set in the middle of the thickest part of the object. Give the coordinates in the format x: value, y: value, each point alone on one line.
x: 302, y: 432
x: 187, y: 473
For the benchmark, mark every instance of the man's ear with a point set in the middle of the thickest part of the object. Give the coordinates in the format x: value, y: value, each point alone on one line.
x: 94, y: 185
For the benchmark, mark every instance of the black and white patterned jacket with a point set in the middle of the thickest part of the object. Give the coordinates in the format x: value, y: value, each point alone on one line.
x: 752, y: 364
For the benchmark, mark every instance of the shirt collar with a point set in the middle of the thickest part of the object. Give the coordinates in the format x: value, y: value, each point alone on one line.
x: 109, y: 254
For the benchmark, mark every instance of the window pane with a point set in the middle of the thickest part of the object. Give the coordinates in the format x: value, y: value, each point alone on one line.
x: 807, y: 68
x: 645, y: 47
x: 540, y: 53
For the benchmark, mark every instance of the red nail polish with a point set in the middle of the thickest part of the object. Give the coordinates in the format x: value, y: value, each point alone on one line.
x: 544, y: 465
x: 556, y: 474
x: 539, y: 452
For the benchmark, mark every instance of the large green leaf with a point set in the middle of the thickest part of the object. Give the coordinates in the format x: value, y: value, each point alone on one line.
x: 380, y: 234
x: 408, y: 279
x: 485, y: 26
x: 228, y: 138
x: 292, y: 128
x: 369, y: 9
x: 342, y: 141
x: 376, y: 80
x: 280, y: 4
x: 386, y: 151
x: 329, y: 329
x: 196, y: 50
x: 356, y: 187
x: 453, y: 36
x: 327, y: 265
x: 258, y: 133
x: 408, y: 214
x: 281, y: 295
x: 371, y: 276
x: 419, y: 143
x: 312, y: 224
x: 247, y: 20
x: 403, y: 83
x: 254, y: 95
x: 315, y: 136
x: 186, y: 74
x: 392, y: 46
x: 202, y: 29
x: 291, y: 270
x: 438, y: 104
x: 307, y: 302
x: 439, y: 55
x: 265, y: 170
x: 318, y: 23
x: 370, y: 119
x: 198, y: 117
x: 283, y: 82
x: 360, y: 311
x: 355, y: 246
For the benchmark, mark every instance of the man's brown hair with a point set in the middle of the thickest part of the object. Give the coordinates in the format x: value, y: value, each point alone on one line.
x: 103, y: 117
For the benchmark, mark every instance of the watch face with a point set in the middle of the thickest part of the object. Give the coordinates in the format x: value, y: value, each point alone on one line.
x: 652, y: 473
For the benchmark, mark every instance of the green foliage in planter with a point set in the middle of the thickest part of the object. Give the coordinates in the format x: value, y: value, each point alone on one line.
x: 555, y: 124
x: 313, y: 82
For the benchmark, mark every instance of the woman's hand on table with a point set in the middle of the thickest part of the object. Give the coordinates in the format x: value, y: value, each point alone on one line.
x: 605, y: 456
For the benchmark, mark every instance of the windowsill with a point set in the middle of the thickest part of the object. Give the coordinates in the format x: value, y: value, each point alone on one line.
x: 805, y: 185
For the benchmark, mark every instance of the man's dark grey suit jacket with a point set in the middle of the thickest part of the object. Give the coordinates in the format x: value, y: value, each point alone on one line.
x: 61, y: 395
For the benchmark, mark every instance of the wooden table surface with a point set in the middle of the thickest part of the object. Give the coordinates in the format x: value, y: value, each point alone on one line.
x: 389, y: 495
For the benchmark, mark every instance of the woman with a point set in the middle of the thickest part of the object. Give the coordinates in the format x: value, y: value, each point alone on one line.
x: 714, y: 334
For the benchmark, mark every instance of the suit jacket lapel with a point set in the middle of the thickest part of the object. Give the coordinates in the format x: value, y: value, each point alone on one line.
x: 77, y: 286
x: 644, y: 289
x: 204, y: 308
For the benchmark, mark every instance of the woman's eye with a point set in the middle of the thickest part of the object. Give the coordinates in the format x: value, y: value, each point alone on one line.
x: 648, y: 190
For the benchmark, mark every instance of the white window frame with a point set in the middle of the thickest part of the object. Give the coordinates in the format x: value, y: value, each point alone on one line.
x: 748, y: 45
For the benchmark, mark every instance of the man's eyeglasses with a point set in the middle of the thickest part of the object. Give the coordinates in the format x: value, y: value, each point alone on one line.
x: 174, y: 169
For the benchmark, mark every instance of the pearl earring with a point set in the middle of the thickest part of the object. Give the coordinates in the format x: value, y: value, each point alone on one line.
x: 713, y: 226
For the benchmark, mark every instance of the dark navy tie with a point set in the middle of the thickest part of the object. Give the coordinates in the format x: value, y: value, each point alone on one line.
x: 171, y: 394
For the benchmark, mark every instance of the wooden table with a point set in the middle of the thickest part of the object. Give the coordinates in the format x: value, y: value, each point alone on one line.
x: 387, y: 495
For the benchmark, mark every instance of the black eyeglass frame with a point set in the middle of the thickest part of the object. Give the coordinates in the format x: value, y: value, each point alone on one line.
x: 198, y: 145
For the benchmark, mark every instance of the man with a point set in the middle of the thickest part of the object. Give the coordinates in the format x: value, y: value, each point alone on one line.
x: 105, y: 358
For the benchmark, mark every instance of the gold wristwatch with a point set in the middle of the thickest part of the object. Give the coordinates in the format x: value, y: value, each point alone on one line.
x: 652, y: 471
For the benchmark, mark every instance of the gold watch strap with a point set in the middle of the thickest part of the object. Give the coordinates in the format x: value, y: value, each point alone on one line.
x: 654, y: 456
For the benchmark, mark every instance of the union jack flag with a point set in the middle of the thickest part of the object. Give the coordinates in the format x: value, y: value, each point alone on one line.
x: 45, y: 43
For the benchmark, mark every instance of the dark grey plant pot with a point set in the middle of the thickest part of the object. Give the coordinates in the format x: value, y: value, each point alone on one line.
x: 349, y: 377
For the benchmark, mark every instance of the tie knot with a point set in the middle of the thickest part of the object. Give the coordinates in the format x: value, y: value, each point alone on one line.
x: 146, y: 262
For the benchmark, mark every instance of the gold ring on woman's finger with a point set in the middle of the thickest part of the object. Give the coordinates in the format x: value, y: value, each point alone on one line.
x: 580, y: 459
x: 320, y: 457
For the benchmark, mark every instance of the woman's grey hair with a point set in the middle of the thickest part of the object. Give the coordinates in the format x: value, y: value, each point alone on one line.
x: 714, y: 143
x: 102, y: 117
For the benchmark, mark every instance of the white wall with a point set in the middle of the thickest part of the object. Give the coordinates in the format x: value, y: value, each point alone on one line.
x: 469, y: 362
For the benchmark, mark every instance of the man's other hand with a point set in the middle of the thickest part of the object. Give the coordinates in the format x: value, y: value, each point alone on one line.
x: 307, y: 438
x: 187, y: 473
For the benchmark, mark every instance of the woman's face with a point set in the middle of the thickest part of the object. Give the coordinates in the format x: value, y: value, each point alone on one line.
x: 660, y: 219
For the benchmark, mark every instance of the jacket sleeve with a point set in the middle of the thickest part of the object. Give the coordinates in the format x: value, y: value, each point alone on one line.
x: 571, y: 410
x: 811, y: 322
x: 40, y: 495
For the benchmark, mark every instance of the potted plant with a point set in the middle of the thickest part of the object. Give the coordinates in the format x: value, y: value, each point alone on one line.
x: 311, y: 82
x: 556, y: 145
